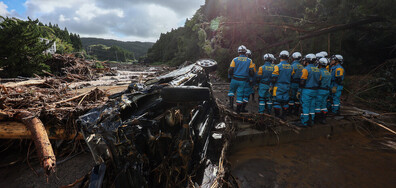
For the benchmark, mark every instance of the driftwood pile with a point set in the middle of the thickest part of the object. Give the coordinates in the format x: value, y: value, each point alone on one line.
x: 71, y: 68
x: 46, y: 107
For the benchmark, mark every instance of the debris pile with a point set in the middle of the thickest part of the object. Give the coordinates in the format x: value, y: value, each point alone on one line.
x: 71, y: 68
x: 156, y: 134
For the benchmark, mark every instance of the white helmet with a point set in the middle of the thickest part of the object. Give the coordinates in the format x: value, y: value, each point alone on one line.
x: 323, y: 61
x: 338, y: 58
x: 324, y: 53
x: 296, y: 55
x: 284, y: 54
x: 248, y: 52
x: 242, y: 49
x: 267, y: 57
x: 273, y: 57
x: 319, y: 55
x: 310, y: 58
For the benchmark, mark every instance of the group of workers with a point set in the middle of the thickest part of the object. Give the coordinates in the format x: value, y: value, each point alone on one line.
x: 311, y: 84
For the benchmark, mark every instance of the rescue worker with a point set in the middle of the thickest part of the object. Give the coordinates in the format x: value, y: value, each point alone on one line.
x: 323, y: 92
x: 318, y: 56
x: 281, y: 77
x: 326, y: 55
x: 294, y: 103
x: 273, y: 59
x: 240, y: 69
x: 309, y: 82
x: 337, y: 78
x: 252, y: 81
x: 264, y: 76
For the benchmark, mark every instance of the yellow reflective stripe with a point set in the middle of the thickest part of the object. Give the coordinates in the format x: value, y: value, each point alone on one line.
x: 293, y: 71
x: 251, y: 65
x: 260, y: 71
x: 304, y: 74
x: 275, y: 88
x: 339, y: 72
x: 232, y: 63
x: 254, y: 67
x: 328, y: 67
x: 276, y: 70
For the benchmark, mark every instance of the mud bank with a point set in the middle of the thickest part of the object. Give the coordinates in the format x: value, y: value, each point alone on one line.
x: 346, y: 159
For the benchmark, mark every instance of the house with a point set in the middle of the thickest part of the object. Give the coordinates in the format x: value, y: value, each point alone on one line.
x: 50, y: 50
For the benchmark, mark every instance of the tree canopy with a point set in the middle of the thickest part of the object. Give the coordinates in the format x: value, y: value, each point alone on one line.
x: 21, y: 51
x: 364, y: 32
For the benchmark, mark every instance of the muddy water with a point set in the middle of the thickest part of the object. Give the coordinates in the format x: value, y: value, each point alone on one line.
x: 347, y: 160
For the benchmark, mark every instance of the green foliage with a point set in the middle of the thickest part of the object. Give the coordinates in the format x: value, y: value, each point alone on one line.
x: 137, y: 48
x: 260, y: 24
x: 66, y: 42
x: 21, y: 52
x: 98, y: 65
x: 114, y: 53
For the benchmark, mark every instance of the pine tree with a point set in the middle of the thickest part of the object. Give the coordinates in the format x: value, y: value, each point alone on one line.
x: 21, y: 51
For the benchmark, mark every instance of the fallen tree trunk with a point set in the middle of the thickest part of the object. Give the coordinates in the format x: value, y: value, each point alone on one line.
x: 17, y: 130
x: 41, y: 141
x: 24, y: 83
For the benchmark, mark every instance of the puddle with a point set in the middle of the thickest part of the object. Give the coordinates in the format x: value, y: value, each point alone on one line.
x: 347, y: 160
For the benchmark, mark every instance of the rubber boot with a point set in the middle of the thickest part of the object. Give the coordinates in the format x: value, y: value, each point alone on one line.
x: 296, y: 109
x: 238, y: 108
x: 323, y: 118
x: 318, y: 118
x: 310, y: 122
x: 290, y: 110
x: 277, y: 112
x: 243, y: 110
x: 284, y: 113
x: 267, y: 109
x: 231, y: 102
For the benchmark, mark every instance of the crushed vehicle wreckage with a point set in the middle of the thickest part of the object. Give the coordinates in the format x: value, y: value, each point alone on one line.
x: 157, y: 134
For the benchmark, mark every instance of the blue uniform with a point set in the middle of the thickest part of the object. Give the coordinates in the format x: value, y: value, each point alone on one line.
x: 249, y: 88
x: 323, y: 92
x: 240, y: 77
x: 312, y: 76
x: 264, y: 75
x: 337, y: 76
x: 294, y: 86
x: 283, y: 73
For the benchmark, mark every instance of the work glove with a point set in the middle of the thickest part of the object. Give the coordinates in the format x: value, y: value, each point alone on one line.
x: 334, y: 89
x: 298, y: 95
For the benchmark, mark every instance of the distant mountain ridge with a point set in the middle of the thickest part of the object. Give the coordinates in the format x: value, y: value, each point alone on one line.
x: 138, y: 48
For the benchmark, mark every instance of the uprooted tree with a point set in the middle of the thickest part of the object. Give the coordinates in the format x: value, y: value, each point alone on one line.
x: 21, y: 51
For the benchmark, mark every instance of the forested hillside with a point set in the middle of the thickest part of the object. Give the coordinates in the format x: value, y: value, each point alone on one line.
x: 65, y: 42
x: 364, y: 32
x: 21, y: 50
x: 137, y: 48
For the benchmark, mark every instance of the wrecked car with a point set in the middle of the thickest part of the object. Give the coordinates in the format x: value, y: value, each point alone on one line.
x: 157, y: 133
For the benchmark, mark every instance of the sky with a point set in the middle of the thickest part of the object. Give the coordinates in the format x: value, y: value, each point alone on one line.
x: 126, y: 20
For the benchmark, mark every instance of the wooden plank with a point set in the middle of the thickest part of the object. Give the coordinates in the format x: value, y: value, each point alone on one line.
x: 17, y: 130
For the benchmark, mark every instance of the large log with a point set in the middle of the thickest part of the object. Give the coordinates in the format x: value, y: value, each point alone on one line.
x: 17, y: 130
x: 40, y: 138
x: 24, y: 83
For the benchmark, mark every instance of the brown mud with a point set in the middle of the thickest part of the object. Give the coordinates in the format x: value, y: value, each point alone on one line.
x: 346, y: 160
